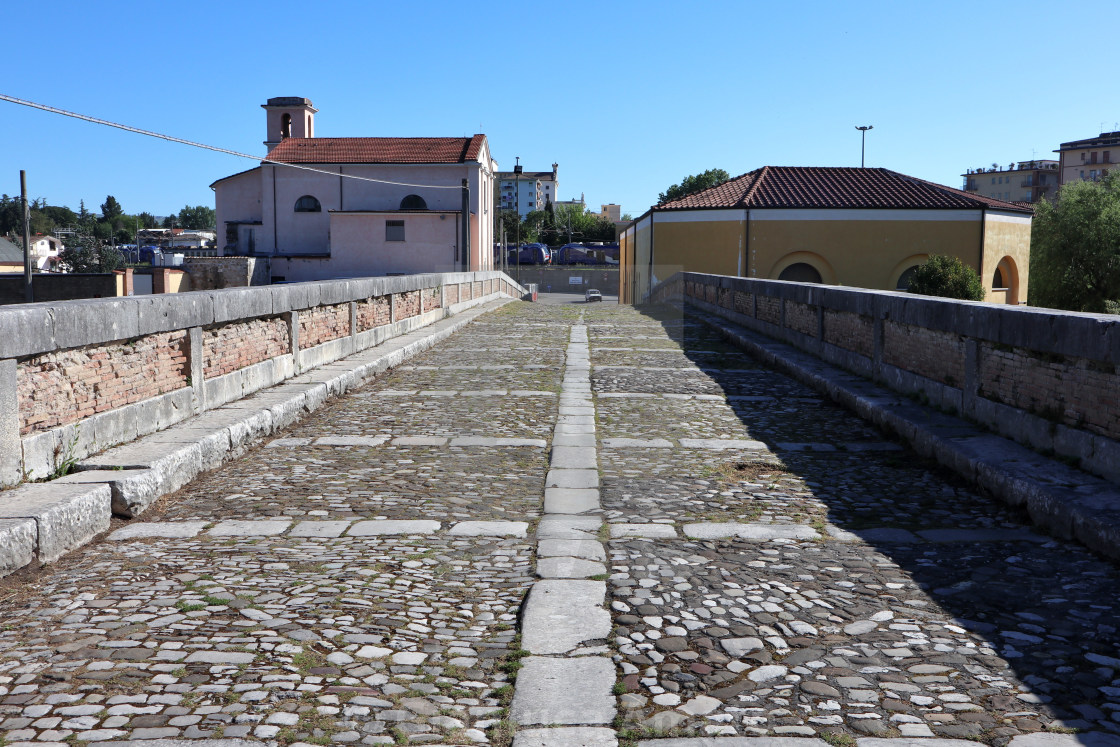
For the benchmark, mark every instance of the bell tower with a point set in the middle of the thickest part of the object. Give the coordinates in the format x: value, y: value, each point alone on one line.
x: 288, y: 116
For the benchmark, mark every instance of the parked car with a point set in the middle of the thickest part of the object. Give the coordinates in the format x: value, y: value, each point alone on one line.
x: 592, y: 295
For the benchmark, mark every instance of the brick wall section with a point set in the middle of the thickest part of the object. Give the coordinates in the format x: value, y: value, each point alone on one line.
x: 452, y: 294
x: 373, y: 312
x: 1074, y: 391
x: 801, y: 318
x: 849, y: 331
x: 408, y: 304
x: 726, y: 298
x: 230, y: 347
x: 476, y: 291
x: 64, y: 387
x: 744, y: 303
x: 431, y: 299
x: 934, y: 355
x: 323, y: 324
x: 770, y: 309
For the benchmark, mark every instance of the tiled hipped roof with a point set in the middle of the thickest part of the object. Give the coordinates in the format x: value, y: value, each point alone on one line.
x: 832, y: 187
x: 378, y: 149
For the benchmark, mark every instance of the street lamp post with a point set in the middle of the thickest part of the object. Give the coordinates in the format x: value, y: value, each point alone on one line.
x: 517, y: 210
x: 863, y: 141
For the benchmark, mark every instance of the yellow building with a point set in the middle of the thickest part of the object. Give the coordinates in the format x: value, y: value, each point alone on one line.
x: 863, y: 227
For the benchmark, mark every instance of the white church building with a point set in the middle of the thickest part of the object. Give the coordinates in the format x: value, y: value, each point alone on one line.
x: 342, y: 207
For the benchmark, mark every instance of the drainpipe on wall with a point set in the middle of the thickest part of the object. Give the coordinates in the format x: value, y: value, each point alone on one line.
x: 466, y: 238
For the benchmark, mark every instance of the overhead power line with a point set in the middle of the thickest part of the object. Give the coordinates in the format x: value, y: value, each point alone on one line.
x: 204, y: 146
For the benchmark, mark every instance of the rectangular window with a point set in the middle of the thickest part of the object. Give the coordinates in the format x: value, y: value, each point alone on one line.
x: 1093, y: 157
x: 394, y: 230
x: 1106, y: 158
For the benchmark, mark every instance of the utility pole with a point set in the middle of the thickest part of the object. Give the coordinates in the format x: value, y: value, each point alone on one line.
x: 28, y: 289
x: 863, y: 141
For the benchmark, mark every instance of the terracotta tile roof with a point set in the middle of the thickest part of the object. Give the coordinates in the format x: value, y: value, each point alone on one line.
x: 378, y: 149
x: 832, y: 187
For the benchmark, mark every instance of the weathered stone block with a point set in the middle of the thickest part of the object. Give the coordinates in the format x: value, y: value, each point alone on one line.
x: 17, y: 544
x: 66, y: 516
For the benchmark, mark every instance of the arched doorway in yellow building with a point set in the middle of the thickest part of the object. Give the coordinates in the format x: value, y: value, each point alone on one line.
x: 1006, y: 277
x: 899, y: 279
x: 803, y: 267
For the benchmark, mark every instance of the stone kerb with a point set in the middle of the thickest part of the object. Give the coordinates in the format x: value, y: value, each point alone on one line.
x: 27, y: 331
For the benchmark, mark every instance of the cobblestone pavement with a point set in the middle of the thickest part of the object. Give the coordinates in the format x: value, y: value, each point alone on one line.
x: 776, y: 567
x: 908, y: 607
x: 331, y: 586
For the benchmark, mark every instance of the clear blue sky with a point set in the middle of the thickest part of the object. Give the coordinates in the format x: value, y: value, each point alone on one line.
x: 628, y: 97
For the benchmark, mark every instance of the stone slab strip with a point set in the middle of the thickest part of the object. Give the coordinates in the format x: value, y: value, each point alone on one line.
x: 566, y: 611
x: 1066, y: 502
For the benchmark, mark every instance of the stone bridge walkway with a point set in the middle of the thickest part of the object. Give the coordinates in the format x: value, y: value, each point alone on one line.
x: 711, y: 549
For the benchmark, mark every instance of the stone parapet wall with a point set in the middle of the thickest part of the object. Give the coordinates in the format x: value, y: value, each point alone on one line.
x: 1046, y: 378
x: 77, y: 377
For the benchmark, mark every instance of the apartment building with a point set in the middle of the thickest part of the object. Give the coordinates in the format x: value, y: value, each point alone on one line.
x: 1025, y: 181
x: 1089, y: 159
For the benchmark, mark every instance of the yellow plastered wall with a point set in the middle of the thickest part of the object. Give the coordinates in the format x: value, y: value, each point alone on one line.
x: 860, y: 253
x: 714, y: 247
x: 1007, y: 245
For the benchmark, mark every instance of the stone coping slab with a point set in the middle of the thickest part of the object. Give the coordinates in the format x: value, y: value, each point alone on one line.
x: 571, y: 500
x: 538, y: 443
x: 572, y: 736
x: 569, y: 527
x: 420, y: 441
x: 723, y: 443
x: 490, y: 529
x: 351, y: 440
x: 722, y: 530
x: 319, y: 529
x: 572, y: 478
x: 648, y: 531
x: 569, y: 567
x: 590, y: 549
x: 754, y: 742
x: 381, y: 527
x: 564, y: 691
x: 176, y: 529
x: 560, y: 615
x: 249, y: 528
x: 637, y: 443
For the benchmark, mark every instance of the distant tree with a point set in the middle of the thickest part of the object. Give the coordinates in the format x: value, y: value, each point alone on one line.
x: 170, y: 221
x: 111, y: 209
x: 85, y: 253
x: 627, y: 217
x: 1075, y: 248
x: 11, y: 220
x: 85, y: 217
x: 62, y: 216
x: 947, y: 277
x: 692, y: 184
x: 147, y: 220
x: 196, y: 218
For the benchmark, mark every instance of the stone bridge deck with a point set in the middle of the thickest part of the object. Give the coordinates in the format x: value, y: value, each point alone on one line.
x: 708, y: 550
